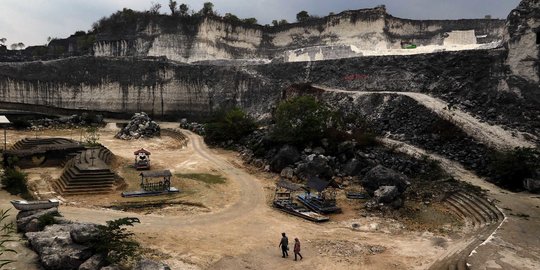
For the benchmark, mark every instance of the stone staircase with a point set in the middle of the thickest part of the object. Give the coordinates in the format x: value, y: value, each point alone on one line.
x: 29, y: 143
x: 86, y: 175
x: 481, y: 216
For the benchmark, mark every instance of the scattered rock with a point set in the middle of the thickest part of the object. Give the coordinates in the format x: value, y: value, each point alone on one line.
x: 287, y: 172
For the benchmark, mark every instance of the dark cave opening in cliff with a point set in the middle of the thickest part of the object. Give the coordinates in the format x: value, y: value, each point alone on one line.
x: 538, y: 38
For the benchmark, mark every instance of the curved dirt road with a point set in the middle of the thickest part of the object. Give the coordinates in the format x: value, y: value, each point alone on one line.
x: 251, y: 193
x: 482, y: 131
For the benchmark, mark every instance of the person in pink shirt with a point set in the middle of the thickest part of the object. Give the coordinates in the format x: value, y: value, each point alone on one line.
x: 297, y: 248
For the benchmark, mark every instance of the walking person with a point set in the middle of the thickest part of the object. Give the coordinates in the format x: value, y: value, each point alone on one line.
x: 284, y: 244
x: 297, y: 249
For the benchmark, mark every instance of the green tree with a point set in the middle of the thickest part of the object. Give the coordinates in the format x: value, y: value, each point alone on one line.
x: 231, y: 17
x: 208, y: 9
x: 92, y: 136
x: 250, y: 20
x: 301, y: 119
x: 7, y: 230
x: 172, y: 7
x: 302, y: 16
x: 232, y: 125
x: 184, y: 9
x: 115, y: 241
x: 280, y: 22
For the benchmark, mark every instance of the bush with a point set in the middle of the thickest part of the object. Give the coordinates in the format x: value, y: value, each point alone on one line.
x: 510, y: 168
x: 47, y: 219
x: 300, y: 120
x: 232, y: 125
x: 7, y: 230
x: 14, y: 182
x: 115, y: 241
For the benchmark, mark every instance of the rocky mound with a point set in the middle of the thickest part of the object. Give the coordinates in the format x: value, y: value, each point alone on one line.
x: 62, y: 244
x: 140, y: 126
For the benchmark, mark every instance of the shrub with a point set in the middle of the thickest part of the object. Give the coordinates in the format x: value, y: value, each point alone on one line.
x: 115, y: 241
x: 300, y: 120
x: 232, y: 125
x: 47, y: 219
x: 7, y: 229
x: 14, y: 182
x: 510, y: 168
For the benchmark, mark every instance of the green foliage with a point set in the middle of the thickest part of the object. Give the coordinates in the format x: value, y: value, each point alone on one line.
x: 115, y: 241
x: 301, y: 119
x: 250, y: 21
x: 231, y: 17
x: 14, y: 182
x: 302, y: 16
x: 203, y: 177
x: 85, y: 42
x: 232, y: 125
x: 510, y: 168
x: 47, y: 219
x: 280, y: 22
x: 208, y: 9
x: 92, y: 136
x: 7, y: 230
x: 184, y: 9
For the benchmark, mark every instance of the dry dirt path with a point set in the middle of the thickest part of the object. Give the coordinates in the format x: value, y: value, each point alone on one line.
x: 515, y: 244
x: 491, y: 135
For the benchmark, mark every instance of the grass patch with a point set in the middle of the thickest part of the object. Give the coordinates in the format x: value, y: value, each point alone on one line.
x: 203, y: 177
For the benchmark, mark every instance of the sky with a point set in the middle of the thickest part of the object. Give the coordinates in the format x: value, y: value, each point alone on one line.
x: 33, y: 21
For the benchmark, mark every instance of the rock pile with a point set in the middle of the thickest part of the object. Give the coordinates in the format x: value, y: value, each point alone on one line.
x: 140, y: 126
x: 193, y: 126
x: 385, y: 186
x: 62, y: 244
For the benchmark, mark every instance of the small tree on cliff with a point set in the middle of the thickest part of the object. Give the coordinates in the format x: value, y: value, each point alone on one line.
x: 184, y: 9
x: 154, y: 8
x: 3, y: 40
x: 208, y: 9
x: 172, y: 6
x: 302, y: 16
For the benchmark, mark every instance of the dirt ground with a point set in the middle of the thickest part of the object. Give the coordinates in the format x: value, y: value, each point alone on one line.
x: 232, y: 225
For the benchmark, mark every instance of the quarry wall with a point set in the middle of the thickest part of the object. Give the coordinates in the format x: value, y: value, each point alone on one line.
x: 212, y: 38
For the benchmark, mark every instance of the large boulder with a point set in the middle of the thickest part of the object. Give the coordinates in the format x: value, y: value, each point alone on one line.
x: 93, y: 263
x: 354, y: 166
x: 84, y: 233
x: 386, y: 194
x: 29, y: 221
x: 56, y: 248
x: 315, y: 166
x: 286, y: 156
x: 382, y: 176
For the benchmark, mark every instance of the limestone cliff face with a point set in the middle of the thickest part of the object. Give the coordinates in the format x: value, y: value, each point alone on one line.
x: 211, y: 38
x: 168, y: 90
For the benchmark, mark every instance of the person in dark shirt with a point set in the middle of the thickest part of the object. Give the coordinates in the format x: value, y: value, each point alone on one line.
x: 284, y: 244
